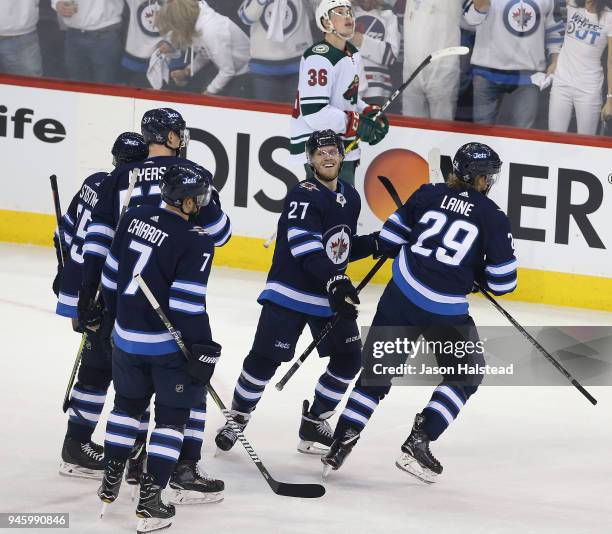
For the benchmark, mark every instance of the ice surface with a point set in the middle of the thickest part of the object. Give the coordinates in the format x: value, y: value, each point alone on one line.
x: 529, y: 460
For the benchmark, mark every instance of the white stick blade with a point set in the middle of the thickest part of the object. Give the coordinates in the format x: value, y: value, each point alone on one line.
x: 451, y: 51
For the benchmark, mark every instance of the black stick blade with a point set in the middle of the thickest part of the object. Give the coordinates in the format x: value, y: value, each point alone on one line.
x: 302, y: 491
x: 391, y: 190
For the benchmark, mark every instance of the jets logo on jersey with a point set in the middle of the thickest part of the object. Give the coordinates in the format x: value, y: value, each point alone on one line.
x: 309, y: 186
x: 352, y: 91
x: 370, y: 26
x: 290, y: 19
x: 338, y: 245
x: 522, y: 17
x: 146, y: 17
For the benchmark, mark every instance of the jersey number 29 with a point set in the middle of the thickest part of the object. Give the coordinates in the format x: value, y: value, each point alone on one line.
x: 457, y: 238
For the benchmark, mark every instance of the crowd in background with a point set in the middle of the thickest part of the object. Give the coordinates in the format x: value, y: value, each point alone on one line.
x: 533, y: 63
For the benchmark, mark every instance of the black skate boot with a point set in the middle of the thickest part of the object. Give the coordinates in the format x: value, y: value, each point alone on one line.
x: 191, y: 486
x: 111, y: 483
x: 84, y: 460
x: 226, y: 437
x: 417, y: 458
x: 339, y: 450
x: 314, y: 430
x: 152, y: 512
x: 135, y: 466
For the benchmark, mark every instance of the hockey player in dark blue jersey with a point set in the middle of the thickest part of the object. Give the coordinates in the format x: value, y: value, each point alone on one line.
x: 80, y: 456
x: 316, y: 239
x: 164, y: 130
x: 174, y: 256
x: 450, y: 236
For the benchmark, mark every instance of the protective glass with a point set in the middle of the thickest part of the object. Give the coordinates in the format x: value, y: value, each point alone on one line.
x: 203, y: 199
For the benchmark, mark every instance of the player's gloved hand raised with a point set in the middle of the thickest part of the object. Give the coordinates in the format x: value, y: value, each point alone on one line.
x: 343, y: 297
x: 203, y: 360
x: 372, y: 131
x: 89, y: 312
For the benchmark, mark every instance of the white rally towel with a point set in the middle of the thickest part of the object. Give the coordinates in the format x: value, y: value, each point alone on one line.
x: 158, y: 71
x: 277, y: 21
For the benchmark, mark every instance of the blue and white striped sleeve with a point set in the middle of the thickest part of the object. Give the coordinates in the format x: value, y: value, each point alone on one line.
x: 396, y: 231
x: 302, y: 241
x: 215, y: 221
x: 187, y: 297
x: 500, y: 271
x: 98, y: 239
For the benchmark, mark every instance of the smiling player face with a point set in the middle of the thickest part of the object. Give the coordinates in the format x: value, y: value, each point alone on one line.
x: 326, y: 162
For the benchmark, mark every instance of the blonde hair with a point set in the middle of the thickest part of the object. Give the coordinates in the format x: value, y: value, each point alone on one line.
x: 178, y: 18
x: 455, y: 182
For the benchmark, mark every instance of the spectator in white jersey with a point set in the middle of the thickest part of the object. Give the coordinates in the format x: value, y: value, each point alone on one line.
x: 211, y: 37
x: 513, y: 40
x: 429, y: 26
x: 142, y: 40
x: 579, y: 75
x: 378, y: 39
x: 93, y: 41
x: 280, y: 30
x: 19, y: 47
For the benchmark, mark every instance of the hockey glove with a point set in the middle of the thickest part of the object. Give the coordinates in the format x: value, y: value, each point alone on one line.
x: 372, y: 131
x: 352, y: 124
x: 342, y: 295
x: 203, y: 360
x: 58, y: 277
x: 384, y: 248
x: 89, y: 312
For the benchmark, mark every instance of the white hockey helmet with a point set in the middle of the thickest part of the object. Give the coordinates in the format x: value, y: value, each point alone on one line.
x: 325, y: 7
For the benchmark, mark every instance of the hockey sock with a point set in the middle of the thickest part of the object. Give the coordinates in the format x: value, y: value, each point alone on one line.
x: 86, y: 405
x: 121, y: 432
x: 143, y: 427
x: 163, y: 452
x: 255, y: 375
x: 329, y: 392
x: 444, y: 406
x: 357, y: 412
x: 194, y: 434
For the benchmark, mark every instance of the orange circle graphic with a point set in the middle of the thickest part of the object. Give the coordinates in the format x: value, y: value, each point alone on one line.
x: 406, y: 170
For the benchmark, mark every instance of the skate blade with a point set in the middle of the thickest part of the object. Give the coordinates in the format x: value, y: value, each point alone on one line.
x: 309, y: 447
x: 182, y: 497
x: 76, y: 471
x: 409, y: 464
x: 151, y: 524
x: 133, y: 492
x: 103, y: 509
x: 327, y: 469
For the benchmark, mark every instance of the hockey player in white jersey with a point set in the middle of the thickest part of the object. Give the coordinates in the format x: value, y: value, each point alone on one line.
x: 328, y: 90
x: 378, y: 38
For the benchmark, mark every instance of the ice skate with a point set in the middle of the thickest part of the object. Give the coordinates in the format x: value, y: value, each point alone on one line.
x: 82, y: 460
x: 339, y: 450
x: 153, y: 514
x: 226, y: 437
x: 416, y: 457
x: 314, y: 431
x: 189, y: 485
x: 111, y: 483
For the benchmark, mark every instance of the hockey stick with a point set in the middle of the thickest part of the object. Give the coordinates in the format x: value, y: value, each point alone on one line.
x: 268, y: 242
x: 58, y: 216
x: 326, y: 329
x: 434, y: 56
x: 305, y: 491
x: 433, y: 161
x: 391, y: 190
x: 77, y: 361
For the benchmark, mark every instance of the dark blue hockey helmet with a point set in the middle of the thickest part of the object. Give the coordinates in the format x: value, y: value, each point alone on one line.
x: 157, y: 124
x: 128, y: 147
x: 323, y: 138
x: 477, y: 159
x: 186, y: 180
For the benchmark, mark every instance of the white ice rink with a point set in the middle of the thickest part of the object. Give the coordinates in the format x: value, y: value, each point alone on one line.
x: 529, y: 460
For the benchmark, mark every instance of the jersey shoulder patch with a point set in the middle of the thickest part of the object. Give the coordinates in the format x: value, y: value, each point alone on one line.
x: 322, y: 49
x: 309, y: 186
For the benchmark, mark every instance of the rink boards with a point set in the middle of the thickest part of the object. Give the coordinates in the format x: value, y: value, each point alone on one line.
x: 555, y: 188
